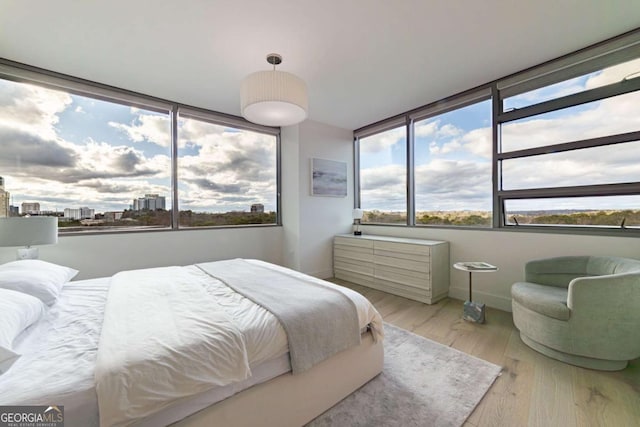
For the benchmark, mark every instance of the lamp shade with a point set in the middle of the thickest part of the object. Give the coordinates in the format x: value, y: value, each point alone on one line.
x: 357, y: 213
x: 274, y: 98
x: 28, y: 231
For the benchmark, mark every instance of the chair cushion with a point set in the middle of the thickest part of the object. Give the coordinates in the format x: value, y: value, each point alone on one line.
x: 547, y: 300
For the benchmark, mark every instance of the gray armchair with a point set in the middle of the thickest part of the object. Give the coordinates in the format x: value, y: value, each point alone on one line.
x: 582, y: 310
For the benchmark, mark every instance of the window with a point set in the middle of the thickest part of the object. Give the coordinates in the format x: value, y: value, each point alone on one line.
x: 595, y: 119
x: 593, y: 80
x: 601, y: 212
x: 554, y: 147
x: 92, y: 163
x: 607, y: 164
x: 227, y: 176
x: 102, y: 159
x: 453, y: 158
x: 383, y: 176
x: 573, y: 158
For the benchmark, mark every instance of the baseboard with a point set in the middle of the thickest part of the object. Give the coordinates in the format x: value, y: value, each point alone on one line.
x: 494, y: 301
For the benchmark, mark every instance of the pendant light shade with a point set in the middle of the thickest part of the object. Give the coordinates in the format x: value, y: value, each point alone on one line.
x: 274, y: 98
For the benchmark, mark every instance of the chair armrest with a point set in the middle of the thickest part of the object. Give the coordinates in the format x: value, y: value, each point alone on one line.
x: 606, y: 297
x: 558, y: 271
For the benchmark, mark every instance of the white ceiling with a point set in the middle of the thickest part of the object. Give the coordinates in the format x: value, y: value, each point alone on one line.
x: 363, y: 60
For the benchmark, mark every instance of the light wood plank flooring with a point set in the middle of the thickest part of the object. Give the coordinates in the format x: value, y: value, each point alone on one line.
x: 533, y: 389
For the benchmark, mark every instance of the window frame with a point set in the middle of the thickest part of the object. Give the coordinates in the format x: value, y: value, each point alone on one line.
x: 409, y: 120
x: 23, y: 73
x: 593, y: 58
x: 378, y: 128
x: 626, y: 48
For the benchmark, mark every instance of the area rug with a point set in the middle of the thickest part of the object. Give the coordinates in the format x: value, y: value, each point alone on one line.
x: 423, y: 383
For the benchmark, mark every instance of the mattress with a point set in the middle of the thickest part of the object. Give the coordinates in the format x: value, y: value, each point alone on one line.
x: 59, y: 352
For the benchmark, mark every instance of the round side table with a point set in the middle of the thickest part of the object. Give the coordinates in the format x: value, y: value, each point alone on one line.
x: 474, y: 312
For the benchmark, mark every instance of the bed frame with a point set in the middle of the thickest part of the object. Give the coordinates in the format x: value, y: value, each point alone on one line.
x: 294, y: 400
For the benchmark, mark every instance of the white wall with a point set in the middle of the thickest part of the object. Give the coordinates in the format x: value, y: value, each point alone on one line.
x: 105, y: 254
x: 309, y: 235
x: 509, y: 251
x: 290, y: 200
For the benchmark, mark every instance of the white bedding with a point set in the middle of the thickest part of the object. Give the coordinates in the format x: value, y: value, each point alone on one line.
x: 59, y: 352
x: 163, y: 338
x: 58, y: 355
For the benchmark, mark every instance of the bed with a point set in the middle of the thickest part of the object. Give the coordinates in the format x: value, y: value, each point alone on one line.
x: 67, y: 358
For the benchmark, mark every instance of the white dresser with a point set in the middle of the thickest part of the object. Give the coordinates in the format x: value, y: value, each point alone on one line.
x: 413, y: 268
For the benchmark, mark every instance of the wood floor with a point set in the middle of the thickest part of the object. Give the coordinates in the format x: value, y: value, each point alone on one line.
x: 533, y: 389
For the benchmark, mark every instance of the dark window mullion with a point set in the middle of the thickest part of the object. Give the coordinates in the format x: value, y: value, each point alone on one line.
x: 596, y: 94
x: 621, y: 189
x: 574, y: 145
x: 411, y: 187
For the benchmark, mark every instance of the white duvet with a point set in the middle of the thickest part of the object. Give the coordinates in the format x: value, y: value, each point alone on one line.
x: 59, y: 353
x: 163, y: 338
x: 204, y: 335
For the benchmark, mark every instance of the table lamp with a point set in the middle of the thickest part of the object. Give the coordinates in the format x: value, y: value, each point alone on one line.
x: 28, y: 231
x: 357, y: 218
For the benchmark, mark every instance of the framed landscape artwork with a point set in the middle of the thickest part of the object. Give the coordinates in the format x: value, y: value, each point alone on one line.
x: 328, y: 178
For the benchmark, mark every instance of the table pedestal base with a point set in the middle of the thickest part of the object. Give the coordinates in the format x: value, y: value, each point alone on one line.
x: 473, y: 312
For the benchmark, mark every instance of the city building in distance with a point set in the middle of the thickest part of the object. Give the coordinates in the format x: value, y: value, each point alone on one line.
x: 150, y: 202
x: 4, y: 200
x: 30, y: 208
x: 80, y: 213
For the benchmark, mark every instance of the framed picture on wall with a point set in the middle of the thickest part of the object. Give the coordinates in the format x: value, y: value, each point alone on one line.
x: 328, y: 178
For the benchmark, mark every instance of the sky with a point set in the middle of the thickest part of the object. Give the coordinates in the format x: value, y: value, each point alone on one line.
x: 69, y: 151
x: 453, y: 152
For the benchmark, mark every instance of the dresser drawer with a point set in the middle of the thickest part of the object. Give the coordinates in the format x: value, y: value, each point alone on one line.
x: 402, y: 248
x: 349, y: 241
x: 405, y: 264
x: 424, y: 258
x: 358, y: 249
x: 352, y: 266
x: 354, y: 255
x: 360, y: 279
x: 412, y: 278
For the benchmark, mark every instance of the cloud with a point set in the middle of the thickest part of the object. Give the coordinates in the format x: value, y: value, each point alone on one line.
x: 606, y: 117
x: 453, y: 185
x: 613, y: 74
x: 209, y: 185
x: 62, y: 174
x: 220, y: 169
x: 478, y: 142
x: 382, y: 142
x: 602, y: 165
x: 425, y: 128
x: 448, y: 130
x: 25, y: 149
x: 227, y: 162
x: 102, y: 186
x: 151, y: 128
x: 384, y: 188
x: 31, y: 109
x: 445, y: 139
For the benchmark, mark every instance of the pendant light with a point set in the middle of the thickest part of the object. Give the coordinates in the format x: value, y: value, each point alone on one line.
x: 274, y: 98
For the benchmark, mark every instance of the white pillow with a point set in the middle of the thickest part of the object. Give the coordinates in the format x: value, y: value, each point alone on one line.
x: 18, y: 311
x: 41, y: 279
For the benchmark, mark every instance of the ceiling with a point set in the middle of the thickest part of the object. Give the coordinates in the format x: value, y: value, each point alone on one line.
x: 363, y: 60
